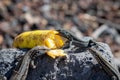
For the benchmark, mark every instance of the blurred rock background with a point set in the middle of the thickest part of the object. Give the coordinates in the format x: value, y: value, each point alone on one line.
x: 99, y: 19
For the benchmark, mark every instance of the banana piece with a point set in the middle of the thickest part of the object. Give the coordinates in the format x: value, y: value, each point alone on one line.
x: 48, y: 38
x: 56, y: 53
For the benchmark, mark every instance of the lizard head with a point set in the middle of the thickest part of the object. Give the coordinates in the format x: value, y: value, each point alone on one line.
x: 64, y: 33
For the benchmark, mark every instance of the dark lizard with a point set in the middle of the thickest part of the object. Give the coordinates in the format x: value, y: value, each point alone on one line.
x: 20, y: 72
x: 85, y: 42
x: 91, y: 45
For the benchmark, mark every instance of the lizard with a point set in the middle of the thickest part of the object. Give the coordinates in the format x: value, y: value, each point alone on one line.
x: 92, y: 45
x: 21, y: 70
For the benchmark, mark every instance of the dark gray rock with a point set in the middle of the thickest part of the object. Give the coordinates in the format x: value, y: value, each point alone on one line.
x: 77, y: 66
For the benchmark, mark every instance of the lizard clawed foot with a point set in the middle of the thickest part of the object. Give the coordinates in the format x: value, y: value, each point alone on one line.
x: 32, y: 64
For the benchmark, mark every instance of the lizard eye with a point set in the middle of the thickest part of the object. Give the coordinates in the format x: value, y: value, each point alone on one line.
x: 41, y: 52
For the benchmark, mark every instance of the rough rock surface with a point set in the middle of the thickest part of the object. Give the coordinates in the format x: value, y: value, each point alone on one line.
x: 77, y: 66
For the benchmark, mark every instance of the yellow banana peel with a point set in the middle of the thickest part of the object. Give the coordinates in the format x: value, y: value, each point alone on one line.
x: 30, y: 39
x: 48, y: 38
